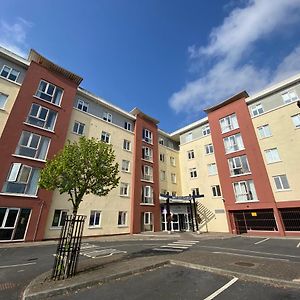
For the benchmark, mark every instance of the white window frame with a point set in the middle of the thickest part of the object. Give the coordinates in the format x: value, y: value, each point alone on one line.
x: 148, y: 218
x: 122, y: 216
x: 193, y: 172
x: 124, y: 189
x: 233, y: 143
x: 162, y: 157
x: 55, y: 88
x: 280, y: 181
x: 9, y: 73
x: 147, y: 173
x: 196, y: 191
x: 126, y: 166
x: 4, y: 97
x: 264, y: 131
x: 82, y: 105
x: 216, y: 190
x: 105, y: 137
x: 229, y: 123
x: 172, y: 161
x: 212, y: 169
x: 296, y: 120
x: 127, y: 126
x: 206, y: 130
x: 147, y: 194
x: 191, y: 154
x: 239, y: 165
x: 209, y: 149
x: 161, y: 141
x: 61, y: 214
x: 289, y: 96
x: 107, y: 117
x: 78, y: 128
x: 95, y: 213
x: 126, y: 145
x: 147, y: 136
x: 189, y: 137
x: 147, y: 153
x: 257, y: 109
x: 242, y: 190
x: 272, y: 155
x: 173, y: 178
x: 162, y: 175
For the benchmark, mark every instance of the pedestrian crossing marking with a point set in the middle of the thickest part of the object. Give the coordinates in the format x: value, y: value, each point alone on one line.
x: 178, y: 246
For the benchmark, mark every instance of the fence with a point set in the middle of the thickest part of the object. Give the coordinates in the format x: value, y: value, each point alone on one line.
x: 290, y: 218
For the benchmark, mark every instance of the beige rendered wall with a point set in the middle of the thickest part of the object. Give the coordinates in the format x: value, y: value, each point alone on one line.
x: 203, y: 181
x: 286, y: 138
x: 109, y: 205
x: 11, y: 90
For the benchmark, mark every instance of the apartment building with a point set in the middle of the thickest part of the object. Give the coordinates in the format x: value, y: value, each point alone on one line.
x: 242, y: 157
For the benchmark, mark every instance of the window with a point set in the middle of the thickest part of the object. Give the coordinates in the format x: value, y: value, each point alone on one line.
x: 195, y: 191
x: 257, y: 109
x: 124, y: 189
x: 244, y: 191
x: 272, y: 155
x: 49, y: 92
x: 238, y: 165
x: 3, y: 99
x: 233, y: 143
x: 191, y: 154
x: 147, y: 136
x: 216, y: 191
x: 264, y: 131
x: 209, y: 149
x: 78, y: 128
x: 125, y: 165
x: 42, y: 117
x: 9, y: 73
x: 147, y: 173
x: 127, y: 126
x: 147, y: 218
x: 205, y: 130
x: 105, y: 137
x: 59, y: 218
x: 173, y: 177
x: 173, y: 194
x: 83, y: 105
x: 281, y: 182
x: 296, y: 120
x: 193, y: 172
x: 172, y: 161
x: 162, y: 175
x: 122, y: 218
x: 164, y: 192
x: 147, y: 194
x: 33, y: 145
x: 212, y: 169
x: 126, y: 145
x: 95, y: 218
x: 147, y: 153
x: 161, y: 141
x: 189, y: 137
x: 22, y: 179
x: 162, y: 157
x: 107, y: 117
x: 229, y: 123
x: 289, y: 96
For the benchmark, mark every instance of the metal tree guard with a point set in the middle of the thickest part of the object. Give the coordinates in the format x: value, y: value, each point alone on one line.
x: 68, y: 248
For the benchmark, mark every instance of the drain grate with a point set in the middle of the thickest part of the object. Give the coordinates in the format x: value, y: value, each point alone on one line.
x: 7, y: 286
x: 244, y: 264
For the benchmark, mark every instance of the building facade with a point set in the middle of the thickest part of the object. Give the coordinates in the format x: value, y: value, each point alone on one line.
x: 242, y: 157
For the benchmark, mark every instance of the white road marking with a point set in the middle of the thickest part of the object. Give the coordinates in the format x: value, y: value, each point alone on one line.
x: 19, y: 265
x: 192, y: 242
x: 184, y: 242
x: 298, y: 245
x: 167, y: 249
x: 221, y: 289
x: 261, y: 241
x: 175, y: 246
x: 254, y: 256
x: 181, y: 244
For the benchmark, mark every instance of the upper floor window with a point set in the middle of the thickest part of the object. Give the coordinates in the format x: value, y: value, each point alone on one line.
x: 95, y: 218
x: 147, y: 173
x: 125, y: 165
x: 272, y: 155
x: 296, y: 120
x: 216, y: 191
x: 257, y: 109
x: 189, y: 137
x: 147, y: 153
x: 212, y: 169
x: 264, y: 131
x: 233, y: 143
x: 127, y: 126
x: 127, y: 145
x: 105, y: 137
x: 289, y: 96
x: 238, y: 165
x: 3, y: 99
x: 21, y: 179
x: 82, y: 105
x: 161, y: 141
x: 147, y: 194
x: 124, y: 189
x: 162, y: 157
x: 42, y: 117
x: 281, y: 182
x: 173, y: 177
x: 206, y: 130
x: 9, y: 73
x: 107, y: 117
x: 172, y: 161
x: 122, y: 218
x: 33, y: 145
x: 193, y: 172
x: 191, y: 154
x: 78, y: 128
x: 244, y: 191
x: 49, y: 92
x: 195, y: 191
x: 162, y: 175
x: 229, y: 123
x: 209, y: 149
x: 147, y: 136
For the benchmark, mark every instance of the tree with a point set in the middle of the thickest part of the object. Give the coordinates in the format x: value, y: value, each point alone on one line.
x: 83, y: 167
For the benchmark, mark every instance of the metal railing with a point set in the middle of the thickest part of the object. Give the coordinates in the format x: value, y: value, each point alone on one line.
x: 290, y: 218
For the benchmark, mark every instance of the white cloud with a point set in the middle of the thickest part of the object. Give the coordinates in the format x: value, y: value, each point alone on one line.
x: 13, y: 36
x: 229, y: 46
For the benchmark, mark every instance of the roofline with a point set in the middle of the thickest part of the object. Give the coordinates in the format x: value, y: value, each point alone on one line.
x: 273, y: 88
x: 242, y: 94
x: 15, y: 56
x: 137, y: 111
x: 189, y: 127
x: 105, y: 103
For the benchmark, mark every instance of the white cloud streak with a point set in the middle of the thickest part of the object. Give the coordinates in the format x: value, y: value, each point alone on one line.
x: 228, y: 47
x: 13, y: 36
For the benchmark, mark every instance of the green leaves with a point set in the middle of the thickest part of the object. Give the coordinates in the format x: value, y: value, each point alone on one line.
x: 83, y: 167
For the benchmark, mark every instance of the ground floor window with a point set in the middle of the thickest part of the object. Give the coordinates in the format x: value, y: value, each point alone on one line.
x: 147, y: 221
x: 13, y: 223
x: 59, y: 218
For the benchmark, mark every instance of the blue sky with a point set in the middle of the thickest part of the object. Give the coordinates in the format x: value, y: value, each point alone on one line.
x: 170, y: 58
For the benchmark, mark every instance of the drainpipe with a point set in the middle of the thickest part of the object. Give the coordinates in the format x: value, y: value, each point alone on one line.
x: 38, y: 222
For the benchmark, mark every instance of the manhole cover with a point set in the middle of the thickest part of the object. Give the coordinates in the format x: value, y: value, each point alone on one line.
x: 244, y: 264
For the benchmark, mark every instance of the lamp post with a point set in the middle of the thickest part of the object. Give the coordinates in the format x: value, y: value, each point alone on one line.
x: 168, y: 214
x: 195, y: 210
